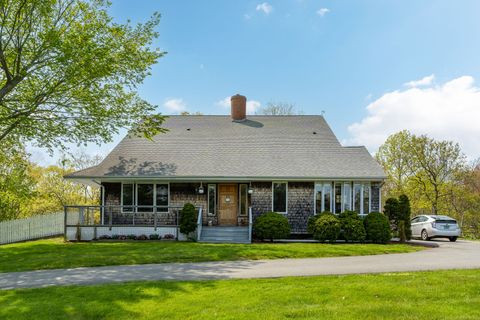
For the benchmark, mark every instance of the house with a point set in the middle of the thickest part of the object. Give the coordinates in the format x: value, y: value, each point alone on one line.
x: 232, y: 168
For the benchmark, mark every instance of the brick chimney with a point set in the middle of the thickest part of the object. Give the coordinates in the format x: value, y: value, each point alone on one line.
x: 239, y: 107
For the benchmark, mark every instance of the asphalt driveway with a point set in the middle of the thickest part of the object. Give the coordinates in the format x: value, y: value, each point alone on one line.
x: 458, y: 255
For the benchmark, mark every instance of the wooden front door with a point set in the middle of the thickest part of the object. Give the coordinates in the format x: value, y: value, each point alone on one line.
x: 228, y: 204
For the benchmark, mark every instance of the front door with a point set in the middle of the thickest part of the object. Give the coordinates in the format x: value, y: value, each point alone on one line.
x: 228, y: 204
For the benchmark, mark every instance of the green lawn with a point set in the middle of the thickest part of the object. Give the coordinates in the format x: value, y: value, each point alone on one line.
x: 418, y: 295
x: 54, y: 253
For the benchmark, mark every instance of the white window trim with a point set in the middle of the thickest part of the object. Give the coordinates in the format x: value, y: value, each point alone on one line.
x: 286, y: 196
x: 155, y: 195
x: 332, y: 192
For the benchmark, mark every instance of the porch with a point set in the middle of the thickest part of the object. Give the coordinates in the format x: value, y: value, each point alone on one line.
x: 86, y: 223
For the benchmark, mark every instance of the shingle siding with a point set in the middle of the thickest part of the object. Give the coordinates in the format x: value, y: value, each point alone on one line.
x: 300, y: 205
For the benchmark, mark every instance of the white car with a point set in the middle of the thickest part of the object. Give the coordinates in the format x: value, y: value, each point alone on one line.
x: 435, y: 226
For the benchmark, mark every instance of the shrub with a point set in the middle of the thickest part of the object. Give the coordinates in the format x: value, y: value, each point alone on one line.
x: 327, y: 227
x: 105, y: 237
x: 313, y: 220
x: 115, y: 237
x: 142, y: 237
x: 351, y: 226
x: 132, y: 237
x: 377, y: 227
x: 169, y: 236
x: 188, y: 219
x: 154, y: 236
x: 271, y: 225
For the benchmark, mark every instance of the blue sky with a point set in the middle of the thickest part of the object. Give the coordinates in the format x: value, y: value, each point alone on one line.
x: 353, y: 59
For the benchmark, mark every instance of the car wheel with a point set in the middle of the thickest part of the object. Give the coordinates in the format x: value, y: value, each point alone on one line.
x: 425, y: 235
x: 452, y: 239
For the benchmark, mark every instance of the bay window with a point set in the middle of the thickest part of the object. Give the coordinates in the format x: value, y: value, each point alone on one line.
x: 357, y: 198
x: 337, y: 198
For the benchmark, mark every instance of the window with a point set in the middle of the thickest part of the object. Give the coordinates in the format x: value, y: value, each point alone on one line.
x: 127, y: 197
x: 347, y: 196
x: 243, y: 200
x: 366, y: 199
x: 338, y: 198
x: 323, y: 197
x: 162, y: 197
x: 279, y: 197
x: 145, y: 197
x: 357, y: 198
x: 327, y: 197
x: 212, y: 199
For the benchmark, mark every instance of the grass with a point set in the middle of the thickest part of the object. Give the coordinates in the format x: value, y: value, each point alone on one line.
x: 418, y: 295
x: 54, y: 253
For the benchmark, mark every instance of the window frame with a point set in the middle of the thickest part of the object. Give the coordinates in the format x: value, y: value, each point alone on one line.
x: 286, y: 196
x: 246, y: 200
x: 332, y: 193
x: 214, y: 185
x: 135, y: 196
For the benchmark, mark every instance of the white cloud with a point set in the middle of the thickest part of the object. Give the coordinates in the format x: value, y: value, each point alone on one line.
x: 322, y: 11
x: 265, y: 7
x: 252, y: 105
x: 425, y: 81
x: 448, y: 112
x: 175, y: 105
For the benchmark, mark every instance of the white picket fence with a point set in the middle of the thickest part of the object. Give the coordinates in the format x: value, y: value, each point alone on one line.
x: 32, y: 228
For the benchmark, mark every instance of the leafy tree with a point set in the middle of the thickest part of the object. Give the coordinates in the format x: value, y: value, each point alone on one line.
x: 16, y: 183
x: 393, y: 156
x: 278, y: 108
x: 68, y: 73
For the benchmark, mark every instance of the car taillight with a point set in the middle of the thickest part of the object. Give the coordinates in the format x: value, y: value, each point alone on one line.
x: 434, y: 225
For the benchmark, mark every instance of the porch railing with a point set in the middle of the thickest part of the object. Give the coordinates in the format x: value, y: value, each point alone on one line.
x: 250, y: 223
x: 118, y: 215
x: 199, y: 224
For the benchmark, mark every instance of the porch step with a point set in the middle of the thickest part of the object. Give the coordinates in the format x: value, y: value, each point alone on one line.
x: 224, y: 235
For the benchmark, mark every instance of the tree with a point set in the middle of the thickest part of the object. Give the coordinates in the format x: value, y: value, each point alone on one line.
x: 434, y: 165
x: 68, y: 73
x: 404, y: 213
x: 278, y: 108
x: 188, y: 219
x: 16, y: 183
x: 422, y: 168
x: 392, y: 155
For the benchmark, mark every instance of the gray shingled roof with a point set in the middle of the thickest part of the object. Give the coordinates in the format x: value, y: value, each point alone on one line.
x: 260, y: 147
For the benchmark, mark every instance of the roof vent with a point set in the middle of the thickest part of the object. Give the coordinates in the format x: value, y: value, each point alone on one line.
x: 239, y: 107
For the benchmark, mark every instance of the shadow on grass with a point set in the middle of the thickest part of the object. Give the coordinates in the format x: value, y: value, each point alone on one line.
x: 91, y: 302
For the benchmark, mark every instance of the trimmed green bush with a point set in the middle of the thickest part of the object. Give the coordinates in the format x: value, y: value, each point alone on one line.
x: 405, y: 215
x: 188, y: 219
x: 327, y: 228
x: 271, y: 225
x: 377, y: 227
x: 351, y: 225
x: 313, y: 220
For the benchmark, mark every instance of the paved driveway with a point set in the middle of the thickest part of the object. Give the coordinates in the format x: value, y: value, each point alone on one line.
x: 458, y: 255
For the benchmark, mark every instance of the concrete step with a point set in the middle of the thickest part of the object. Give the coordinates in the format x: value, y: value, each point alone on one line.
x: 224, y: 234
